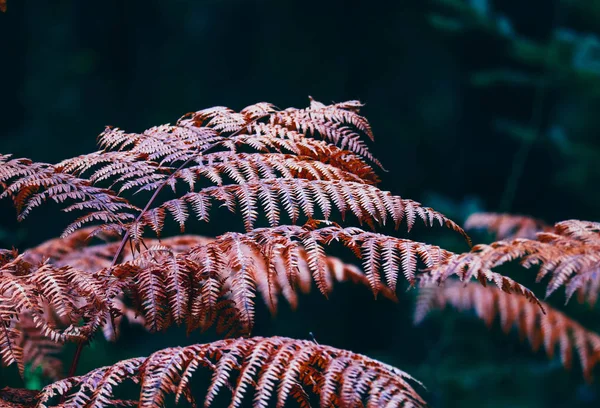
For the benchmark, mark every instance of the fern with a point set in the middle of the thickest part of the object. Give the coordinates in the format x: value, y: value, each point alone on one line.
x: 298, y: 168
x: 295, y: 181
x: 506, y: 226
x: 30, y: 184
x: 569, y: 252
x: 45, y: 303
x: 263, y: 369
x: 549, y: 329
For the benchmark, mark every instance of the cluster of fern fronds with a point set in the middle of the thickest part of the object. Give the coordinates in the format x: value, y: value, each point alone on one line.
x: 568, y: 253
x: 289, y: 173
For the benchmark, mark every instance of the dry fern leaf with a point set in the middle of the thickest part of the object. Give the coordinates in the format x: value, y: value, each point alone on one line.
x: 43, y: 301
x: 570, y: 254
x: 551, y: 329
x: 584, y: 231
x: 224, y: 275
x: 263, y: 370
x: 30, y: 184
x: 202, y: 282
x: 31, y: 289
x: 38, y: 350
x: 339, y: 123
x: 164, y: 154
x: 158, y: 265
x: 295, y: 196
x: 221, y: 279
x: 289, y: 170
x: 506, y: 226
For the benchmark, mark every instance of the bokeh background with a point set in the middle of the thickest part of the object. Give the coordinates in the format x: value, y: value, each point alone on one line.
x: 477, y: 105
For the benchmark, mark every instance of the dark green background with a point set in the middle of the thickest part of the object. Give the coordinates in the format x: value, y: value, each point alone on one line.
x: 454, y: 91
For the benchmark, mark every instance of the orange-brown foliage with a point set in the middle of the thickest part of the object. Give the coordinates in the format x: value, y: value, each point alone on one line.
x: 297, y: 167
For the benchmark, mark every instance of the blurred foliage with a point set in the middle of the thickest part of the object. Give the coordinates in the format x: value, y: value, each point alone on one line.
x: 476, y: 105
x: 560, y: 68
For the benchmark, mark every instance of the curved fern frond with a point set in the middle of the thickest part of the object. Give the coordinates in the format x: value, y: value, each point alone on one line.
x: 174, y: 271
x: 45, y: 301
x: 228, y: 273
x: 290, y: 170
x: 30, y: 184
x: 339, y: 123
x: 295, y: 196
x: 506, y: 226
x: 261, y: 370
x: 570, y: 254
x: 30, y: 289
x: 38, y: 351
x: 583, y: 231
x: 223, y: 276
x: 279, y: 139
x: 550, y: 329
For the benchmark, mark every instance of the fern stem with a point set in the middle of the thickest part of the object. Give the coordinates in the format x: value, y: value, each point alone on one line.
x: 163, y: 184
x: 73, y: 367
x: 127, y: 235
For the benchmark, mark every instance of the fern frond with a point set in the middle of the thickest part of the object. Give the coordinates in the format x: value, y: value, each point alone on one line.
x: 550, y: 329
x: 227, y: 274
x: 160, y: 279
x: 335, y: 123
x: 38, y: 350
x: 158, y: 284
x: 276, y: 138
x: 30, y: 184
x: 24, y: 342
x: 265, y: 370
x: 296, y: 163
x: 290, y: 170
x: 160, y: 142
x: 571, y: 254
x: 506, y: 226
x: 242, y: 168
x: 584, y: 231
x: 369, y: 204
x: 58, y: 303
x: 11, y: 350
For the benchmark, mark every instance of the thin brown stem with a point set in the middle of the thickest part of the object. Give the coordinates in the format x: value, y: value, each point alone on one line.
x: 127, y: 235
x: 73, y: 367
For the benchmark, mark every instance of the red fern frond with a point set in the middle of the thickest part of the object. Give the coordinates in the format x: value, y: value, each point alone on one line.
x: 227, y: 274
x: 584, y: 231
x: 506, y: 226
x: 45, y: 301
x: 369, y: 204
x: 290, y: 171
x: 296, y: 163
x: 263, y: 370
x: 550, y: 329
x: 159, y: 284
x: 276, y: 138
x: 38, y: 350
x: 30, y: 184
x: 570, y: 254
